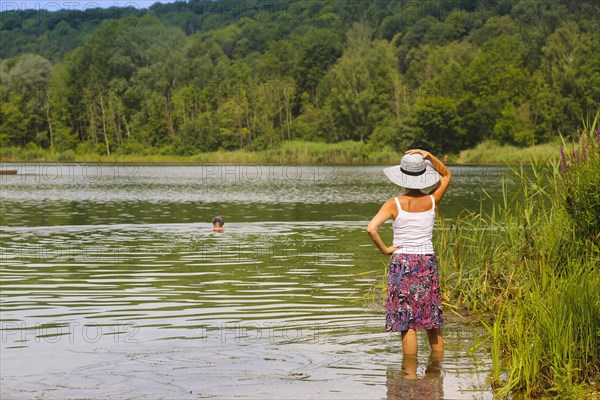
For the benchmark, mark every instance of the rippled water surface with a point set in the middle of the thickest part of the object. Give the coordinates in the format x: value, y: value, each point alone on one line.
x: 114, y: 285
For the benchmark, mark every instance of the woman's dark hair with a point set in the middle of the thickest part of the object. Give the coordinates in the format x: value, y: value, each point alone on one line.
x: 218, y: 220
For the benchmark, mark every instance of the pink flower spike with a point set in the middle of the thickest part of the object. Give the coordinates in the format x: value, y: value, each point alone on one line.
x: 563, y: 160
x: 575, y: 155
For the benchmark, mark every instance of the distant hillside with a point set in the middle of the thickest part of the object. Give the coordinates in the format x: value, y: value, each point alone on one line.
x: 184, y: 78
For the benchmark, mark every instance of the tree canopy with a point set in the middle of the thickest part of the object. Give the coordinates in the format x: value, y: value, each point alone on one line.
x: 204, y: 75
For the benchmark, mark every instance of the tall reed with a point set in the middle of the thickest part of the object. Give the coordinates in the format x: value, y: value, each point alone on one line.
x: 530, y: 269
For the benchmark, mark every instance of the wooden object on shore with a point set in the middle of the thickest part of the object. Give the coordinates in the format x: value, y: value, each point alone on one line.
x: 8, y: 171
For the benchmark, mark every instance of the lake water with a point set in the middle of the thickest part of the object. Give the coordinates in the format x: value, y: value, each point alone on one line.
x: 113, y: 285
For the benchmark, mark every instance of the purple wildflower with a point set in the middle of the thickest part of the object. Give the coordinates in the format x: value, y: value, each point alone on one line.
x: 598, y: 135
x: 584, y: 152
x: 575, y: 155
x: 563, y: 161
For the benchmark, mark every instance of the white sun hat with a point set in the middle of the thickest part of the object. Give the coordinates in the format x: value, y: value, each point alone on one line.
x: 414, y: 172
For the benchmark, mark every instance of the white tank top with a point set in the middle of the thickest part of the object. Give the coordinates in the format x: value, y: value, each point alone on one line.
x: 413, y: 230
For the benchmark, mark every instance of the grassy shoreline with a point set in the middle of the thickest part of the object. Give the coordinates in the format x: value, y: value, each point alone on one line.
x: 529, y: 269
x: 298, y: 152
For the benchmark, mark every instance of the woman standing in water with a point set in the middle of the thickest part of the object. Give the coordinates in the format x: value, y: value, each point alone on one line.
x: 413, y: 289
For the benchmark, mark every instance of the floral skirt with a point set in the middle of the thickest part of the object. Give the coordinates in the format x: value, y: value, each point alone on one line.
x: 413, y: 293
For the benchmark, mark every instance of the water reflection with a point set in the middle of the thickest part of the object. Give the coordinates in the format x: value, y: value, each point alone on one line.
x: 407, y: 383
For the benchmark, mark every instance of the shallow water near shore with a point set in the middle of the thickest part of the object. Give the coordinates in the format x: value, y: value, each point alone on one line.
x: 113, y: 285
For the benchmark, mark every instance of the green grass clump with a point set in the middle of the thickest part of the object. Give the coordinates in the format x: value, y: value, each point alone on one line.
x: 530, y: 268
x: 490, y: 152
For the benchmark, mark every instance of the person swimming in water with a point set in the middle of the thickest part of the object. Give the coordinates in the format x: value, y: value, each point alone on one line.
x: 218, y: 223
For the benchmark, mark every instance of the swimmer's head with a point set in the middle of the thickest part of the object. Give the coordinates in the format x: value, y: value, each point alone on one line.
x: 218, y: 222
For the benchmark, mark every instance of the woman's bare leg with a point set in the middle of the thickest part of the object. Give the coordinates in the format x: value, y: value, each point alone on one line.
x: 409, y: 341
x: 436, y: 341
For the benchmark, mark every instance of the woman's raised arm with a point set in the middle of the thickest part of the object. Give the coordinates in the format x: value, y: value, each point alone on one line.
x: 439, y: 166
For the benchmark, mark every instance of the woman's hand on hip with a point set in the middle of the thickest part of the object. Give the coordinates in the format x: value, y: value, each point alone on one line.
x: 389, y: 250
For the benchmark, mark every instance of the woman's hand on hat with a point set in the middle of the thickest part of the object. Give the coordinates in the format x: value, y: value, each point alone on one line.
x: 423, y: 153
x: 390, y: 250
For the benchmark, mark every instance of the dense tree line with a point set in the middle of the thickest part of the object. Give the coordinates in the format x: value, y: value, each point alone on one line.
x: 202, y: 75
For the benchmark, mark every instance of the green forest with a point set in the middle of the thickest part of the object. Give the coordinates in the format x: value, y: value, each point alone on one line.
x: 200, y: 76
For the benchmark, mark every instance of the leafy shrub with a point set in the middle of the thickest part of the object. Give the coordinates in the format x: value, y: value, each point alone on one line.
x: 67, y: 155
